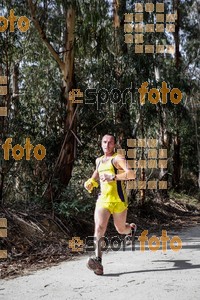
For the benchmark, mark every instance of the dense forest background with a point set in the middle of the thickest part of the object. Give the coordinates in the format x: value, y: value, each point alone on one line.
x: 80, y: 45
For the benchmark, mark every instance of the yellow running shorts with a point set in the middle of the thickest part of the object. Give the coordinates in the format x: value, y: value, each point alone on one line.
x: 113, y: 207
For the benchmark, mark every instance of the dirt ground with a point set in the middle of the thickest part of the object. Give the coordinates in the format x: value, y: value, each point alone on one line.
x: 127, y: 275
x: 37, y: 241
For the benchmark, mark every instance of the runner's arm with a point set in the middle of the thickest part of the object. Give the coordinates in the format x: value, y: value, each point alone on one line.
x: 122, y: 164
x: 90, y: 183
x: 95, y: 174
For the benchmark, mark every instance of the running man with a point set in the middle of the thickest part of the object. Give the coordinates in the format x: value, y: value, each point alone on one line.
x: 112, y: 198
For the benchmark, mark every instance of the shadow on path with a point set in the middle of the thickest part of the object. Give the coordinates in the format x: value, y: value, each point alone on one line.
x: 178, y: 265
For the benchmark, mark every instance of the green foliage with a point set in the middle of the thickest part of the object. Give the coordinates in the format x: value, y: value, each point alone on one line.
x: 102, y: 60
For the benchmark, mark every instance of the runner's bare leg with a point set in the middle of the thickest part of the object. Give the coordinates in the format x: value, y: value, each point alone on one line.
x: 120, y: 222
x: 101, y: 218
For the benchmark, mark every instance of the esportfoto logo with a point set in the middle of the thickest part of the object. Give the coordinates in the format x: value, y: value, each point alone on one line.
x: 115, y: 243
x: 23, y: 23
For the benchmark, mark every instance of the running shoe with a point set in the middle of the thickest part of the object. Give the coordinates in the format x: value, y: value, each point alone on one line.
x: 94, y: 265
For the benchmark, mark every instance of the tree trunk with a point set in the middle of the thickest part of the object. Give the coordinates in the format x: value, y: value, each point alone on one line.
x: 198, y: 153
x: 4, y: 124
x: 64, y: 165
x: 15, y: 87
x: 176, y: 162
x: 176, y: 155
x: 122, y: 115
x: 143, y: 175
x: 164, y: 142
x: 176, y: 4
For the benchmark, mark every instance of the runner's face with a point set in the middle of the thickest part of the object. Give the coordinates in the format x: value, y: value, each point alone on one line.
x: 108, y: 144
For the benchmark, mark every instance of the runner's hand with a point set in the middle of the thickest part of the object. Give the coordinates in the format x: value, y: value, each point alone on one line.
x: 90, y: 184
x: 106, y: 177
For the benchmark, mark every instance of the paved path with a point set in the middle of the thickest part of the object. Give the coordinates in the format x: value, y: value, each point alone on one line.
x: 128, y: 275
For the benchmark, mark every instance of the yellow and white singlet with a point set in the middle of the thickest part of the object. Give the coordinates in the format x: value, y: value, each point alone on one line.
x: 113, y: 194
